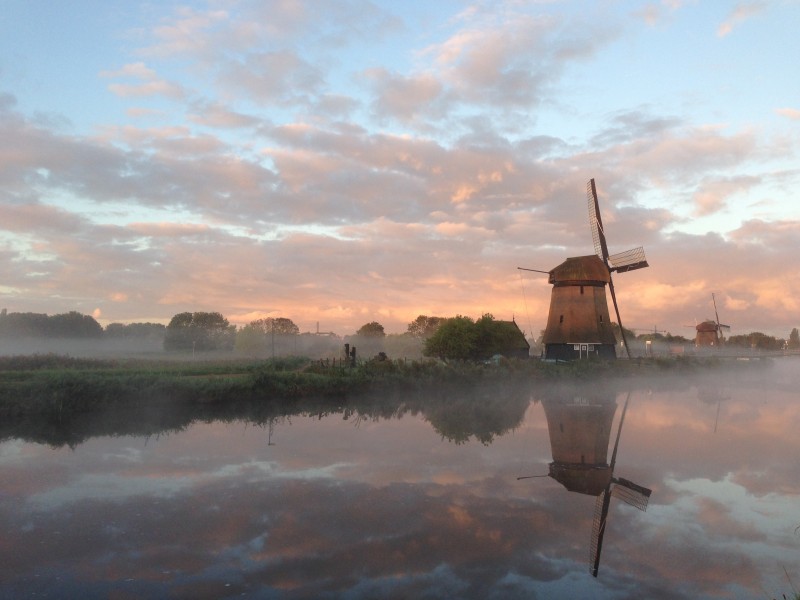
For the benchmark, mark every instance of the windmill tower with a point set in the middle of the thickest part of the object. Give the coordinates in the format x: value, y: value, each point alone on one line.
x: 578, y: 324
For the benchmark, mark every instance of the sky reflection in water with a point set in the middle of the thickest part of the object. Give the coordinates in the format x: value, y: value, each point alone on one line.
x: 362, y: 508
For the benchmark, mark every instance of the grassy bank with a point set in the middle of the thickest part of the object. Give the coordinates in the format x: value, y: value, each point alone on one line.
x: 59, y: 384
x: 59, y: 400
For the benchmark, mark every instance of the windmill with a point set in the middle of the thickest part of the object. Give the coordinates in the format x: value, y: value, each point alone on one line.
x: 709, y: 332
x: 578, y: 324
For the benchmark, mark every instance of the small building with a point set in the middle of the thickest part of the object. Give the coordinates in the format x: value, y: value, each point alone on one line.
x: 516, y: 344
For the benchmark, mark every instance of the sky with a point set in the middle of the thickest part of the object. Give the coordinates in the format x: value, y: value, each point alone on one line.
x: 343, y: 162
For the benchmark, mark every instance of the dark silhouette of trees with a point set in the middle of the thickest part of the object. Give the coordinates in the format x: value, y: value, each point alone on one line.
x: 462, y: 338
x: 67, y: 325
x: 794, y: 340
x: 456, y: 338
x: 260, y: 337
x: 373, y: 330
x: 201, y: 331
x: 135, y: 331
x: 757, y: 340
x: 424, y: 326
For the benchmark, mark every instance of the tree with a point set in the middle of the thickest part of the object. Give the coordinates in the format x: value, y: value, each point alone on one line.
x: 267, y: 335
x: 199, y: 331
x: 153, y: 331
x: 67, y: 325
x: 756, y: 339
x: 794, y: 339
x: 74, y: 324
x: 277, y: 325
x: 372, y: 330
x: 424, y: 326
x: 24, y: 325
x: 456, y: 338
x: 629, y: 333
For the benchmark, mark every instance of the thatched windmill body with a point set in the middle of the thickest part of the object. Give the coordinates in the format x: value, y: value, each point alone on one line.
x: 578, y: 324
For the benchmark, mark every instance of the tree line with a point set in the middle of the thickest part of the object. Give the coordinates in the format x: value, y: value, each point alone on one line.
x: 70, y: 325
x: 458, y: 337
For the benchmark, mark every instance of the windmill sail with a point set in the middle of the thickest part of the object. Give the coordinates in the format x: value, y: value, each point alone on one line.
x: 630, y: 260
x: 596, y: 222
x: 716, y: 314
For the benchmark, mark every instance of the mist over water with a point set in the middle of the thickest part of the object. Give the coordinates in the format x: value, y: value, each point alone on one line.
x: 418, y: 496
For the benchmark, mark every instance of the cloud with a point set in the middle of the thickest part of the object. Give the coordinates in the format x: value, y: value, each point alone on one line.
x: 791, y: 113
x: 388, y: 170
x: 147, y: 83
x: 279, y: 76
x: 711, y: 196
x: 741, y: 13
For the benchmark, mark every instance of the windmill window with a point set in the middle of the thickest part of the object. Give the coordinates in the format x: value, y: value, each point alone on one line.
x: 601, y: 318
x: 561, y: 319
x: 581, y: 290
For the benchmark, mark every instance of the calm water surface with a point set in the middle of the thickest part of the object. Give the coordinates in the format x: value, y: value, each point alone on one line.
x: 424, y: 504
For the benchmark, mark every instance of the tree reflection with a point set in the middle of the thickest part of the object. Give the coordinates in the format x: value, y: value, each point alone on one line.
x: 459, y: 414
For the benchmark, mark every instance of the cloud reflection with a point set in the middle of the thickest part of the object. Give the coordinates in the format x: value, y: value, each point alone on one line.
x: 389, y: 507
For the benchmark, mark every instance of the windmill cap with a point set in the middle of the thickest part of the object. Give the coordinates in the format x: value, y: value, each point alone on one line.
x: 578, y: 270
x: 706, y: 326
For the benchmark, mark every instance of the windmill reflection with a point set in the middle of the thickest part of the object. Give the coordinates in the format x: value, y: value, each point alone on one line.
x: 711, y: 396
x: 580, y: 430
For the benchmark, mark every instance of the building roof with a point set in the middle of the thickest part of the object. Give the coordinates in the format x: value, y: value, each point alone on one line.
x: 516, y: 337
x: 580, y: 270
x: 706, y: 326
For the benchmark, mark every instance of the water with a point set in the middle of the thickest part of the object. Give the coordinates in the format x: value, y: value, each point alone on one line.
x: 418, y: 499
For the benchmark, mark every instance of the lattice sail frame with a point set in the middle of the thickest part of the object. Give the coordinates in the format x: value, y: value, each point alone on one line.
x: 595, y: 222
x: 631, y: 494
x: 629, y: 260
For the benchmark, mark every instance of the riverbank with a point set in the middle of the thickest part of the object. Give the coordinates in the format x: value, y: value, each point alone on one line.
x: 59, y: 400
x: 59, y: 384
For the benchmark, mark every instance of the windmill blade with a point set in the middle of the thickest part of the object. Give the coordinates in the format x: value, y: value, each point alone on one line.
x: 596, y: 223
x: 598, y: 530
x: 603, y: 502
x: 616, y: 310
x: 630, y: 260
x: 716, y: 314
x: 631, y: 493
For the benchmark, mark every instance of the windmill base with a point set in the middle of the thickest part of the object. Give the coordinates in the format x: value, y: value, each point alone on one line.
x: 579, y: 351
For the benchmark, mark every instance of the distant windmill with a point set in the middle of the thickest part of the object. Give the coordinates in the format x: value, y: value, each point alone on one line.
x: 709, y: 332
x: 578, y: 324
